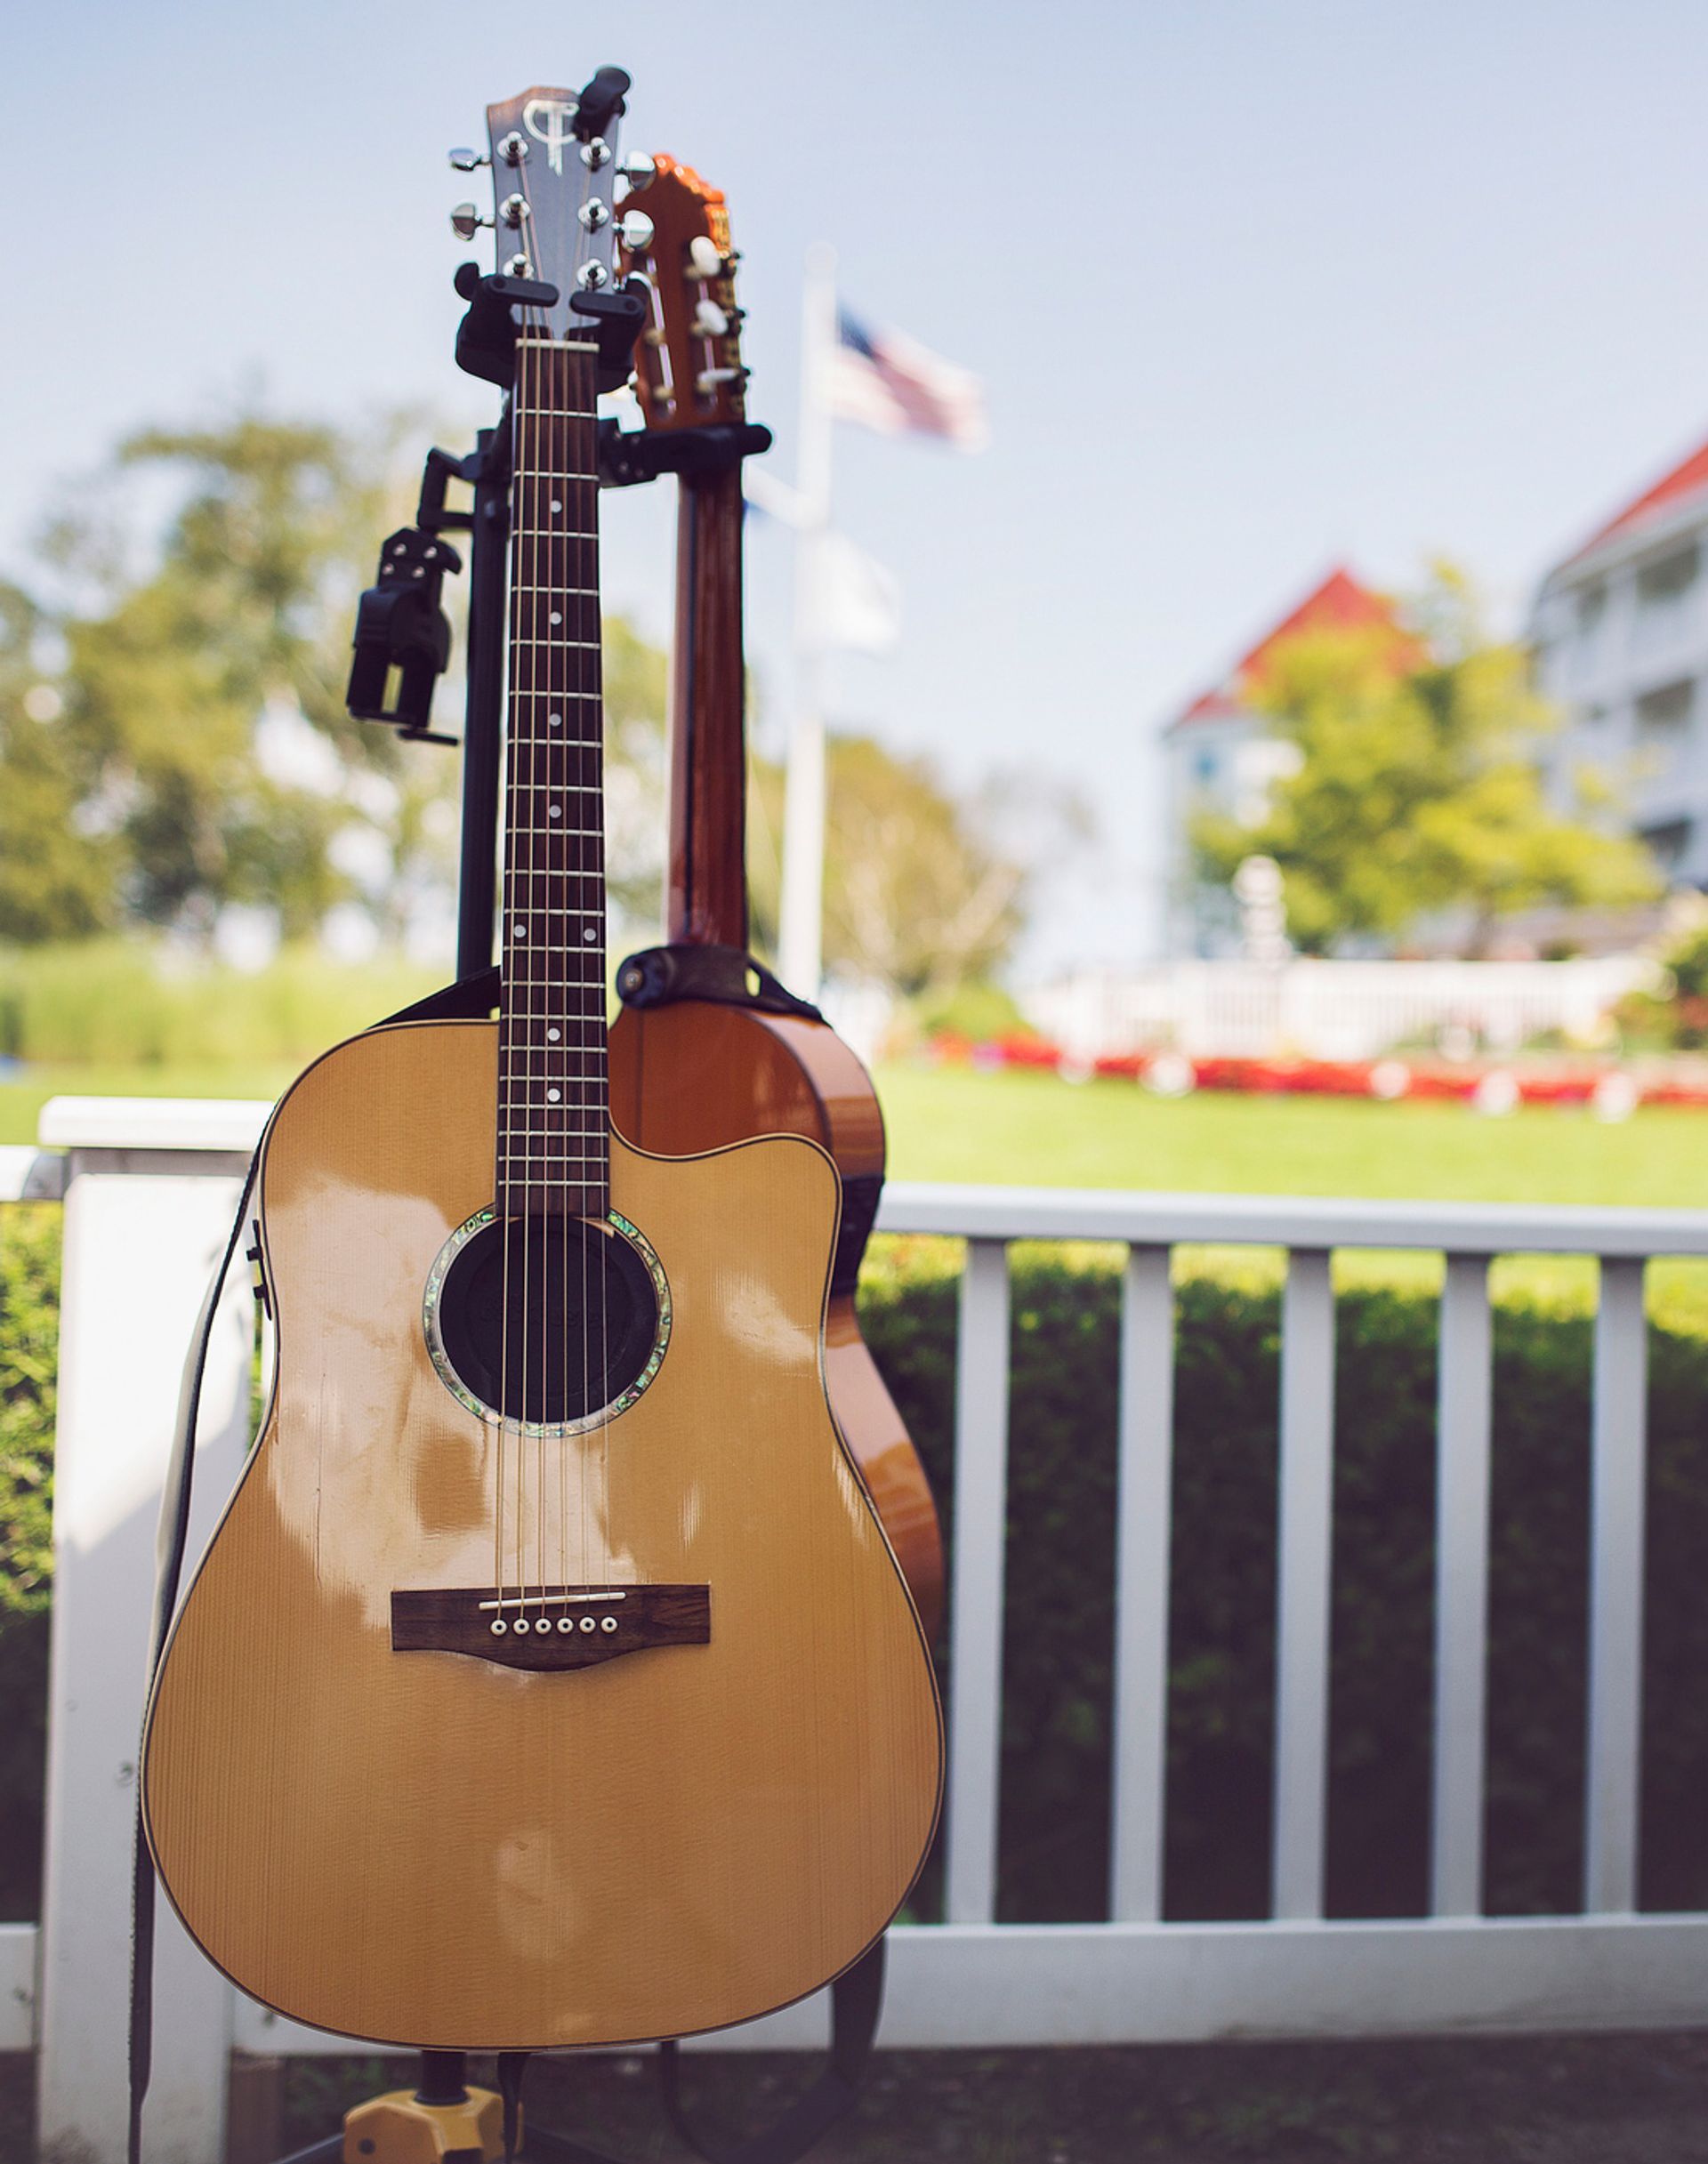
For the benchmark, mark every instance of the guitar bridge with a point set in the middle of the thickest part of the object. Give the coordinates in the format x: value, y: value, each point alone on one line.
x: 553, y: 1626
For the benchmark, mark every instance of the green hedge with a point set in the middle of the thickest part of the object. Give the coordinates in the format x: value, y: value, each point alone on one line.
x: 1054, y: 1833
x: 1057, y: 1655
x: 29, y: 1336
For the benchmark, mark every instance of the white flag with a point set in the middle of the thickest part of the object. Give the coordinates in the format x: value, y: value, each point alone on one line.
x: 889, y: 382
x: 856, y: 602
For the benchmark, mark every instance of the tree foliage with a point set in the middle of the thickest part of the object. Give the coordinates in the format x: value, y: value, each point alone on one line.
x: 173, y: 732
x: 1419, y: 788
x: 175, y: 741
x: 923, y: 890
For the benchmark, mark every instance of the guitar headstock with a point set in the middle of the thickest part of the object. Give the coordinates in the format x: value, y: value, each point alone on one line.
x: 688, y: 359
x: 554, y: 156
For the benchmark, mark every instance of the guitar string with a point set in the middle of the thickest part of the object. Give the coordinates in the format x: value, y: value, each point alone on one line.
x: 506, y: 1159
x: 592, y: 1099
x: 541, y: 1021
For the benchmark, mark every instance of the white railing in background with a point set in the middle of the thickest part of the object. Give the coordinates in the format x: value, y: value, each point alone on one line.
x: 1325, y: 1010
x: 148, y: 1191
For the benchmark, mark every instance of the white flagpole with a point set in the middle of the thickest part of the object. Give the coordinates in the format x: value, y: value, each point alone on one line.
x: 800, y: 943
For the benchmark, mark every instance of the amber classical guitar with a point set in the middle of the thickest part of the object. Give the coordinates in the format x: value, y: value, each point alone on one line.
x: 691, y: 1073
x: 550, y: 1679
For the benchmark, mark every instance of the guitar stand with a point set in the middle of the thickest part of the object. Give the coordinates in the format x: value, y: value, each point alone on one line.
x: 441, y: 2121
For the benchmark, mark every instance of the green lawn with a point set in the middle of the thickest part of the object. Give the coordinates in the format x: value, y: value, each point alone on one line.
x: 1032, y: 1130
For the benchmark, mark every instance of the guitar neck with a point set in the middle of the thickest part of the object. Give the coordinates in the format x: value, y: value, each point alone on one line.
x: 706, y: 882
x: 554, y: 1142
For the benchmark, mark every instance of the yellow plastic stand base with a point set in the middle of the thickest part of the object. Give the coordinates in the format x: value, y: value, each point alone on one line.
x: 399, y: 2129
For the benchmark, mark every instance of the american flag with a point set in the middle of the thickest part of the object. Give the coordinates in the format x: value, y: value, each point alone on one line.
x: 888, y: 381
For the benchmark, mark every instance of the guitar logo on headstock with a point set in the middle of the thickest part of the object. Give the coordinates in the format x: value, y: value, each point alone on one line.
x: 547, y: 120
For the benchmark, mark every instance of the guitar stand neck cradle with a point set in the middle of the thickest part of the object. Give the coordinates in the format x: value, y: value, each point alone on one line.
x: 401, y: 648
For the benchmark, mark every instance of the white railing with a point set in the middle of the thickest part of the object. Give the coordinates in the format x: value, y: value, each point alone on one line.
x: 148, y: 1191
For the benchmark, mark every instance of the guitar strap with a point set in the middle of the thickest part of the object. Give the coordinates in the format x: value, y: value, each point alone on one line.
x: 857, y: 1996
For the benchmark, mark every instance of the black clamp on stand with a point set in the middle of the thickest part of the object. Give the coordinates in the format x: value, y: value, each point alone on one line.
x: 403, y: 637
x: 627, y: 456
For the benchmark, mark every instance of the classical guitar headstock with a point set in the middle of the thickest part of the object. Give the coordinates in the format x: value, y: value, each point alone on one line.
x: 688, y: 359
x: 554, y: 156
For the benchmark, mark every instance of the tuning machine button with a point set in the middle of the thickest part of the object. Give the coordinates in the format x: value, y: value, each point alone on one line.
x: 466, y: 222
x: 635, y: 231
x: 705, y: 258
x: 639, y: 171
x: 468, y: 161
x: 710, y: 320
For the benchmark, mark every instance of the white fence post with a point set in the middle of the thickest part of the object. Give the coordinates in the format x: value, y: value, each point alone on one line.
x: 1302, y: 1581
x: 976, y: 1590
x: 143, y: 1228
x: 1463, y: 1422
x: 1144, y: 1523
x: 1618, y: 1447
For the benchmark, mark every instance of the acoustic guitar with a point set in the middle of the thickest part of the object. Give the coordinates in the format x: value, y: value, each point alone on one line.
x: 692, y: 1072
x: 550, y: 1679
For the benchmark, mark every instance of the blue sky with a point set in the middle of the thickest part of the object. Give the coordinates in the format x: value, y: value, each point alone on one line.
x: 1255, y: 284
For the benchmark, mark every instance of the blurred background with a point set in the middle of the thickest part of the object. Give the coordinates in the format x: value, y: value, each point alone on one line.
x: 1303, y: 672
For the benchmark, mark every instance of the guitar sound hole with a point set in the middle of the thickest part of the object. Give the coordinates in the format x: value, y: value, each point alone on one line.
x: 547, y: 1319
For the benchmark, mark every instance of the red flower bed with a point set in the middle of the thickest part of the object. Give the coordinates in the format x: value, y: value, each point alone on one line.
x: 1173, y: 1075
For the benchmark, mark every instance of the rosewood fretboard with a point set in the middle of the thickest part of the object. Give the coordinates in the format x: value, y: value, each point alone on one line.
x: 553, y: 1116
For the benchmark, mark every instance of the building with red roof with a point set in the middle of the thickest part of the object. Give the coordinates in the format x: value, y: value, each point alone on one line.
x: 1620, y: 629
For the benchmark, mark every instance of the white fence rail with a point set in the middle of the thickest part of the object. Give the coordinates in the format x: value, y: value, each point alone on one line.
x: 1325, y: 1009
x: 148, y: 1190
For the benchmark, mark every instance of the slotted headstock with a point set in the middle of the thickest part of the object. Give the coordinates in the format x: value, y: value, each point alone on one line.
x: 688, y: 359
x: 554, y: 154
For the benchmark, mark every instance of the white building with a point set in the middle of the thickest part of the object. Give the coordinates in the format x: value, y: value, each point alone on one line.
x: 1621, y: 635
x: 1223, y: 754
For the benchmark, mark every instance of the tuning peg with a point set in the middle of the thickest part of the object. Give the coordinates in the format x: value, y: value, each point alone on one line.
x: 639, y: 171
x: 512, y: 209
x: 468, y: 161
x: 466, y: 222
x: 634, y: 229
x: 710, y: 321
x: 704, y: 259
